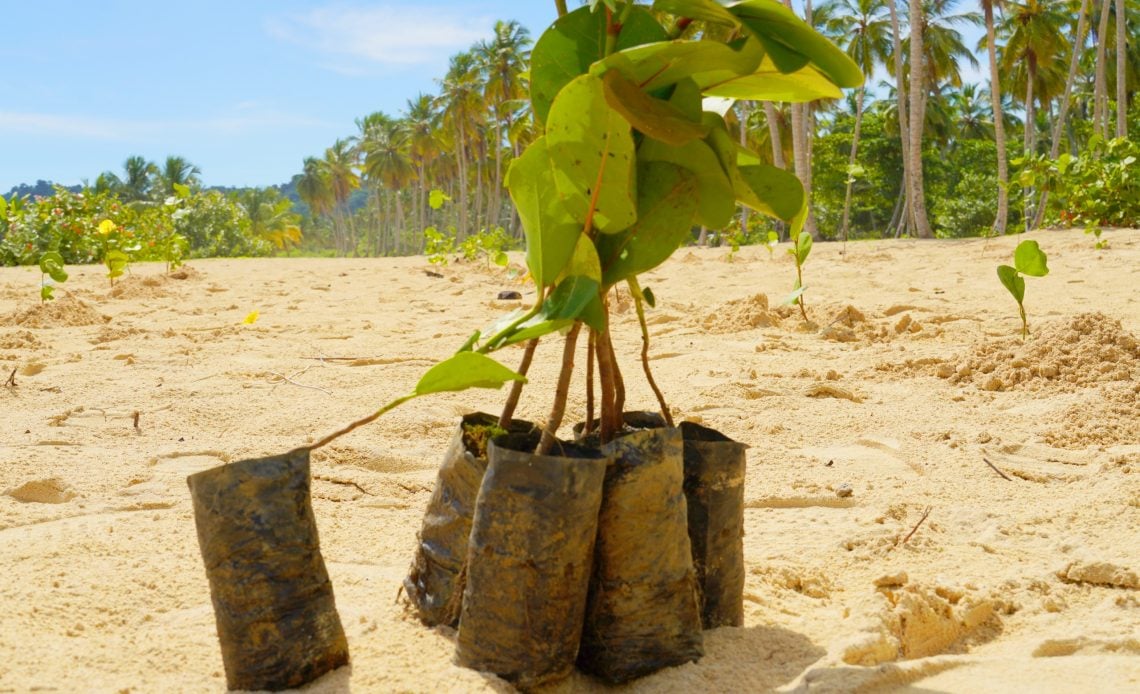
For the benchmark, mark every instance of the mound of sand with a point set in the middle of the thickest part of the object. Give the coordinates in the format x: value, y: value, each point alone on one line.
x: 21, y: 339
x: 1084, y: 350
x: 66, y: 312
x: 1111, y: 418
x: 742, y: 314
x: 139, y: 287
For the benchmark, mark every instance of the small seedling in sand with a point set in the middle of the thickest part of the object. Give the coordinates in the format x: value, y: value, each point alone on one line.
x: 51, y: 265
x: 1028, y: 259
x: 771, y: 243
x: 1095, y: 230
x: 800, y: 252
x: 114, y: 257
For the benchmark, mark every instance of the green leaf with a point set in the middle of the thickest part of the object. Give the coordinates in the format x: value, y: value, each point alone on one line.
x: 584, y: 261
x: 116, y: 262
x: 658, y: 65
x: 717, y: 199
x: 564, y: 305
x: 774, y: 192
x: 181, y: 190
x: 551, y: 231
x: 46, y: 292
x: 776, y: 24
x: 803, y: 247
x: 436, y: 198
x: 51, y: 264
x: 1014, y: 282
x: 465, y: 370
x: 573, y: 43
x: 667, y: 203
x: 649, y: 297
x: 794, y: 298
x: 501, y: 259
x: 768, y: 83
x: 703, y: 10
x: 656, y: 118
x: 1030, y: 260
x: 592, y: 153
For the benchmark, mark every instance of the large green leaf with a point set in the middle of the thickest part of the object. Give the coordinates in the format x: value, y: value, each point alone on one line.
x: 668, y: 198
x: 573, y: 43
x: 466, y: 370
x: 564, y: 305
x: 774, y: 192
x: 1030, y: 260
x: 551, y: 231
x: 1014, y: 282
x: 717, y: 200
x: 654, y: 117
x: 51, y: 264
x: 777, y: 25
x: 591, y: 150
x: 657, y: 65
x: 703, y: 10
x: 768, y: 83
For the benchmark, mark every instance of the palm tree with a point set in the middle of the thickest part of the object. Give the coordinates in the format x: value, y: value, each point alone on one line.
x: 1100, y: 94
x: 503, y: 61
x: 178, y: 171
x: 137, y: 181
x: 973, y: 116
x: 901, y: 220
x: 918, y: 77
x: 271, y: 217
x: 315, y: 189
x: 999, y: 128
x: 863, y: 32
x: 1034, y: 30
x: 386, y: 162
x: 422, y: 123
x: 462, y: 104
x: 1121, y: 71
x: 340, y: 161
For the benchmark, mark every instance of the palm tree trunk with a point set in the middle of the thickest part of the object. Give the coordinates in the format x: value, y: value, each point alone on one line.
x: 1121, y: 72
x: 900, y: 94
x: 1059, y: 124
x: 800, y: 156
x: 461, y: 156
x: 1100, y: 90
x: 496, y: 204
x: 851, y: 161
x: 774, y: 135
x: 744, y: 110
x: 999, y: 126
x: 917, y: 89
x: 1030, y: 132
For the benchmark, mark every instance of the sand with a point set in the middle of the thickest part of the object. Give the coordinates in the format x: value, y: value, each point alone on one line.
x: 910, y: 377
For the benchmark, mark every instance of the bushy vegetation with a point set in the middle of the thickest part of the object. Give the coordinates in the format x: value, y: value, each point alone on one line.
x: 148, y: 217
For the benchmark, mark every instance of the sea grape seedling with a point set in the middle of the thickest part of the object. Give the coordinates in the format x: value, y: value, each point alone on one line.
x: 800, y: 251
x: 51, y: 265
x: 1028, y: 259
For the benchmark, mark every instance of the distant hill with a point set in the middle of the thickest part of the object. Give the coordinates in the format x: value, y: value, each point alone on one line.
x: 41, y: 187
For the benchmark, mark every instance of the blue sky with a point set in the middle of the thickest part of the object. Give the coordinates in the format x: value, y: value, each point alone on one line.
x: 245, y: 89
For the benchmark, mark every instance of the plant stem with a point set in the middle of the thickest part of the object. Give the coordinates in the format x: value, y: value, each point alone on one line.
x: 800, y: 298
x: 606, y: 376
x: 590, y: 350
x: 517, y: 386
x: 637, y: 302
x: 619, y: 384
x: 1024, y: 321
x: 560, y: 5
x: 558, y: 410
x: 358, y: 423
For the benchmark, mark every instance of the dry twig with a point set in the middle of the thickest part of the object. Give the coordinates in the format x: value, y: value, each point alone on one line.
x: 11, y: 378
x: 913, y: 530
x: 289, y: 379
x: 995, y: 469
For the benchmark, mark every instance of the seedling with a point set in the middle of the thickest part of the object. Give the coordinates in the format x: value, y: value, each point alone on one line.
x: 800, y: 252
x: 51, y: 265
x: 771, y: 243
x: 1028, y: 259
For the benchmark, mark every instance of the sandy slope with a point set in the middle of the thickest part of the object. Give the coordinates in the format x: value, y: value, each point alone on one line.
x: 912, y: 376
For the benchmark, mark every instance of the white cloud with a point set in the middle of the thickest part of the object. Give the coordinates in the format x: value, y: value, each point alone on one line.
x: 246, y: 117
x: 388, y: 35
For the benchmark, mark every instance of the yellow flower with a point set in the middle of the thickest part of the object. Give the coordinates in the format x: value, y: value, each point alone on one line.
x: 106, y: 227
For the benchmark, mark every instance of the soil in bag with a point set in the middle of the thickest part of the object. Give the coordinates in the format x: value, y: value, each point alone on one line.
x: 529, y: 558
x: 273, y: 602
x: 435, y: 580
x: 642, y: 613
x: 714, y: 489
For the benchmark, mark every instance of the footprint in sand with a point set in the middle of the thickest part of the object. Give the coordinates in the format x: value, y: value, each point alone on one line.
x: 50, y: 491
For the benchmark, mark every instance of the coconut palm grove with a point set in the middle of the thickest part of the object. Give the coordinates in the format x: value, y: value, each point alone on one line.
x: 976, y: 118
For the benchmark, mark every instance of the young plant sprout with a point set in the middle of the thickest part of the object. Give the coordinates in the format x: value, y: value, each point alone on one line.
x: 800, y: 250
x: 1028, y: 259
x: 51, y: 265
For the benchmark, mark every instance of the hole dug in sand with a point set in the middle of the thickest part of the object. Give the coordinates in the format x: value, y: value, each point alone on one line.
x: 918, y: 621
